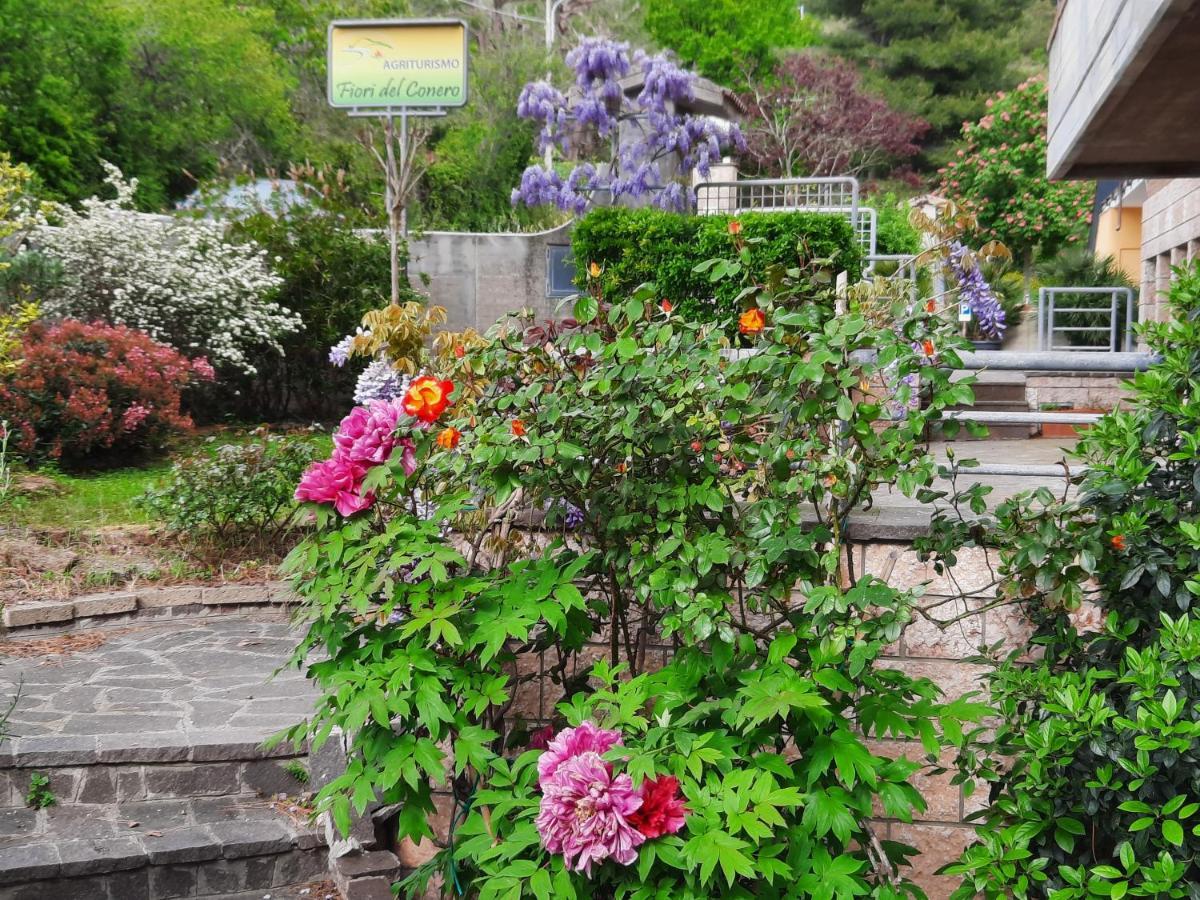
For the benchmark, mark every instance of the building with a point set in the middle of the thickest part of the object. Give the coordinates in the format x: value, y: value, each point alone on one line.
x: 1125, y: 106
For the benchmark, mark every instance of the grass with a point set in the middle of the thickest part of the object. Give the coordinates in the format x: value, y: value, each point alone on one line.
x: 109, y: 497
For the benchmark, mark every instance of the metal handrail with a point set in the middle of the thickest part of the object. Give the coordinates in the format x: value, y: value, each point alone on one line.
x: 1048, y: 309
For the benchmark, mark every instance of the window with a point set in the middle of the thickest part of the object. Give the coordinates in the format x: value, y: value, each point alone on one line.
x: 560, y: 271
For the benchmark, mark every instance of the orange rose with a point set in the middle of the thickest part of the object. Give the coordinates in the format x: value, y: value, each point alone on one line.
x: 666, y: 305
x: 460, y: 351
x: 927, y: 346
x: 594, y: 269
x: 427, y: 398
x: 449, y: 437
x: 735, y: 227
x: 752, y: 321
x: 518, y: 428
x: 930, y: 306
x: 1118, y: 542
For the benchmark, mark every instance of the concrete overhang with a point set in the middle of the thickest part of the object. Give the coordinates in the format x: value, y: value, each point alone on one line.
x: 1125, y: 89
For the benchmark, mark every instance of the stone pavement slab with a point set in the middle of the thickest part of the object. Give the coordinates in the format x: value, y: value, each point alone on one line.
x: 160, y: 692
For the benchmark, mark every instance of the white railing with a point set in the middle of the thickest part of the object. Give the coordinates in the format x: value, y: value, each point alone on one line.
x: 836, y: 196
x: 1089, y: 306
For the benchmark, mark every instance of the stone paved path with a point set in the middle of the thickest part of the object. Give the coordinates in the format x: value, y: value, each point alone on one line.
x: 177, y: 678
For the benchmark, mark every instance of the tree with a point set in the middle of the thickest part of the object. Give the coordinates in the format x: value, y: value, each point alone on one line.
x: 812, y: 117
x: 597, y: 108
x: 937, y: 59
x: 729, y: 41
x: 61, y: 71
x: 998, y: 175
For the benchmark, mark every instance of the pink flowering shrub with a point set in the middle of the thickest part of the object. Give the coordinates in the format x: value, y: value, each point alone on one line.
x: 83, y: 392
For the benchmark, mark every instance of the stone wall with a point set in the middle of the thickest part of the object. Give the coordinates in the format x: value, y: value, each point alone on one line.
x: 480, y: 277
x: 1170, y: 237
x: 1075, y: 390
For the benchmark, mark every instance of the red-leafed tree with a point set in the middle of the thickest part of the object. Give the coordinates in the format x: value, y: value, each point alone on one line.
x: 814, y: 118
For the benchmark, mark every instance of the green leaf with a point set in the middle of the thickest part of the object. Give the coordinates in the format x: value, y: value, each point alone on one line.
x: 1172, y: 831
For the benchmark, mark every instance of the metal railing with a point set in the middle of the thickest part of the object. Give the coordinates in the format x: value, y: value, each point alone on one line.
x: 837, y: 196
x: 1055, y: 320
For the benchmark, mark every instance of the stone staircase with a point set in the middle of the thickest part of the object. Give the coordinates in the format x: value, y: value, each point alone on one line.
x: 998, y: 392
x: 151, y: 743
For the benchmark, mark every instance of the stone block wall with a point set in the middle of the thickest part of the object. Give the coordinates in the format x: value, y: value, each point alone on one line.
x: 1076, y: 390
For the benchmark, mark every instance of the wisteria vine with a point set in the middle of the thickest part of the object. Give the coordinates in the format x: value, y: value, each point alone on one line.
x: 598, y: 103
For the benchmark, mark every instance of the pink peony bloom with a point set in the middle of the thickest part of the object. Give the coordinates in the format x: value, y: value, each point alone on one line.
x: 662, y: 810
x: 336, y: 481
x: 585, y: 813
x: 368, y: 434
x: 587, y: 738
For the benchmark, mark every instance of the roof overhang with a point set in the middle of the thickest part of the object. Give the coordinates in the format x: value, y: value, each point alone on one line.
x: 1125, y: 89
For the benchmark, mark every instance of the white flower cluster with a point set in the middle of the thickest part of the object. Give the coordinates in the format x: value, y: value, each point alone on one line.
x: 178, y: 280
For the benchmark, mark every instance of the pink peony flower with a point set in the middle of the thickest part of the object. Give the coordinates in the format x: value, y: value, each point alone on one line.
x: 368, y: 434
x: 587, y: 738
x: 662, y: 810
x: 585, y: 813
x: 336, y: 481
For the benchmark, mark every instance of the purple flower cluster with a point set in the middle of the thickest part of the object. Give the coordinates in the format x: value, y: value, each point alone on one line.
x: 599, y: 104
x: 572, y: 515
x: 974, y: 290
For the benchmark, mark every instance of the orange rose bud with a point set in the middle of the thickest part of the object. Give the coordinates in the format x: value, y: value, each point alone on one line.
x: 460, y: 351
x: 735, y: 227
x: 517, y: 427
x: 666, y: 305
x: 1118, y: 542
x: 927, y: 346
x: 594, y: 269
x: 448, y: 438
x: 427, y: 398
x: 930, y: 306
x: 752, y: 321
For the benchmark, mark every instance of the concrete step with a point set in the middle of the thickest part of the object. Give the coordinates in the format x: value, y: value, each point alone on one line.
x: 124, y: 768
x: 157, y: 850
x: 992, y: 391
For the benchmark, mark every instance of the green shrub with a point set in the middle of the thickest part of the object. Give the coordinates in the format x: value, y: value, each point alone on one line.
x: 1095, y: 759
x: 1080, y: 267
x: 893, y: 231
x: 234, y: 491
x: 634, y: 246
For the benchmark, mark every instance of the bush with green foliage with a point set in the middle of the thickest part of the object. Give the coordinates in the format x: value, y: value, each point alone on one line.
x: 1093, y: 763
x: 668, y: 477
x: 636, y: 246
x: 894, y: 233
x: 234, y: 491
x: 1079, y: 267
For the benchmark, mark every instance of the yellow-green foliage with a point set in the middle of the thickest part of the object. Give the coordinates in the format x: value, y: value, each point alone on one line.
x: 18, y: 209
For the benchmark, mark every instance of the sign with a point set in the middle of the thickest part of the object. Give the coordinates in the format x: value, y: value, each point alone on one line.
x: 964, y: 312
x: 412, y: 64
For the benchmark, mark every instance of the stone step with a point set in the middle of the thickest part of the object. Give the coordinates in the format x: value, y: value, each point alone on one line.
x: 157, y: 850
x: 86, y: 769
x: 1012, y: 392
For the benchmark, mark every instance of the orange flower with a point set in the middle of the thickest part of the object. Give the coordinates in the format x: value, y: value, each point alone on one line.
x: 594, y: 269
x: 460, y: 351
x: 930, y: 306
x: 927, y: 346
x: 735, y: 227
x: 449, y: 437
x: 518, y: 428
x: 621, y: 468
x: 427, y: 398
x: 752, y: 321
x: 1118, y: 542
x: 666, y: 305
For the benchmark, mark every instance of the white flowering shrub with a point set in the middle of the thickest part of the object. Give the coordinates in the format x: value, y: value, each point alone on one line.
x: 178, y: 280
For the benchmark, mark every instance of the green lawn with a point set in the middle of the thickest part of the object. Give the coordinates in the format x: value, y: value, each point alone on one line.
x: 108, y: 497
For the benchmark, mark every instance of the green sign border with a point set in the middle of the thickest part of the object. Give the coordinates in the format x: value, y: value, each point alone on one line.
x: 394, y: 23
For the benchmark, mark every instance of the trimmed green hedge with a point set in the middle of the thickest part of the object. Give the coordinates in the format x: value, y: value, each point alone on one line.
x: 634, y: 246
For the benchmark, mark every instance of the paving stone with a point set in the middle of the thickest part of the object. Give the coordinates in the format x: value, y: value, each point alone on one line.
x: 130, y: 785
x: 206, y: 810
x: 56, y: 750
x: 373, y: 888
x: 270, y: 776
x: 99, y: 786
x: 134, y: 885
x: 105, y: 604
x: 61, y: 889
x: 142, y: 748
x: 25, y: 614
x: 299, y: 866
x: 28, y: 863
x: 239, y: 839
x: 169, y: 882
x: 182, y: 595
x: 222, y: 876
x: 100, y: 856
x: 236, y: 594
x: 191, y: 843
x: 373, y: 862
x: 17, y: 822
x: 260, y: 872
x: 191, y: 781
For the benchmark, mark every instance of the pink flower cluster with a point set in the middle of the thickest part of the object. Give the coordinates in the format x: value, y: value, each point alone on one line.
x: 365, y: 438
x: 588, y: 813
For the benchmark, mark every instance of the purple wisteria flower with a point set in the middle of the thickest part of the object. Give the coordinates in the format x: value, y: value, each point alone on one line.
x: 339, y: 353
x: 599, y: 104
x: 974, y: 290
x: 380, y: 381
